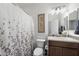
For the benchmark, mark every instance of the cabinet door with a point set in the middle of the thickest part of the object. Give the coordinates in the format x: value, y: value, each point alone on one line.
x: 55, y: 51
x: 69, y: 52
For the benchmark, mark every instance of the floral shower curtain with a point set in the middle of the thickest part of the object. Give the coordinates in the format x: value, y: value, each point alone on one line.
x: 16, y: 31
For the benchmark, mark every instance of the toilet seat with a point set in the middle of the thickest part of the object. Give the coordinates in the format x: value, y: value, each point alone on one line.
x: 38, y: 52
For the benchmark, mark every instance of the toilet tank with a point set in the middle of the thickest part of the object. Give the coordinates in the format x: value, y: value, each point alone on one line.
x: 40, y: 43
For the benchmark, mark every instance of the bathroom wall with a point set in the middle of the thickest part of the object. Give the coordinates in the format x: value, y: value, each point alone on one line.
x: 53, y: 24
x: 16, y: 31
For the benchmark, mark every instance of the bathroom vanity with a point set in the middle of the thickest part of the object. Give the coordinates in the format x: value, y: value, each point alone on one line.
x: 63, y: 46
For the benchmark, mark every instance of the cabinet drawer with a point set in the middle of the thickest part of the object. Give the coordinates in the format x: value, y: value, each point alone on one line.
x: 63, y: 44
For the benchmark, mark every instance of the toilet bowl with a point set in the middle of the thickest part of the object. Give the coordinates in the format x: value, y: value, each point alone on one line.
x: 38, y: 51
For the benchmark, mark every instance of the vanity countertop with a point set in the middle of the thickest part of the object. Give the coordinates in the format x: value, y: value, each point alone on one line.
x: 64, y: 39
x: 70, y: 33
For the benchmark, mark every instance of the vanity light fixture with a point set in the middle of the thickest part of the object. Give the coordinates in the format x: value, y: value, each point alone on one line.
x: 58, y: 9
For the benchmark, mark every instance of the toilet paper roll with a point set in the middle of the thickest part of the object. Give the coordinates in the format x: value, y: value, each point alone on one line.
x: 46, y: 47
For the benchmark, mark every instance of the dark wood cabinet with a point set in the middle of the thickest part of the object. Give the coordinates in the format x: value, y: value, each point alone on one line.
x: 58, y: 48
x: 55, y: 51
x: 69, y: 52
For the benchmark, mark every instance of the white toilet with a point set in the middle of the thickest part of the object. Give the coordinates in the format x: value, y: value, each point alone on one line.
x: 39, y: 49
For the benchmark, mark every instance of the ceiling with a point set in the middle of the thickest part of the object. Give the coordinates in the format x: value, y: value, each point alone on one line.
x: 32, y: 8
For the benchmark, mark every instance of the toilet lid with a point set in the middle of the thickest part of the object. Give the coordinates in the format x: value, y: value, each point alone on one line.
x: 38, y: 51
